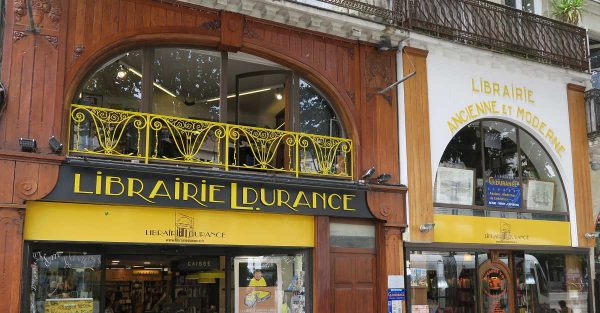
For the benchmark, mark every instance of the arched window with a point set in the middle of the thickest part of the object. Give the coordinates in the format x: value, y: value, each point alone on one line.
x: 185, y: 85
x: 498, y: 166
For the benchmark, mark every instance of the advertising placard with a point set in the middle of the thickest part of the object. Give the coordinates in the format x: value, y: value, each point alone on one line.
x: 503, y: 193
x: 258, y: 285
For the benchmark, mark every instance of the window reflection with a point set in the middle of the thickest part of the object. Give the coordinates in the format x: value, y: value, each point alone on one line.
x: 540, y: 173
x: 464, y: 152
x: 115, y: 85
x: 551, y: 283
x: 443, y: 281
x: 186, y: 83
x: 60, y: 280
x: 316, y: 114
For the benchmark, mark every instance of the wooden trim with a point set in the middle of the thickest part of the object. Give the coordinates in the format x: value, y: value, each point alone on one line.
x: 353, y: 221
x: 11, y: 258
x: 574, y: 87
x: 386, y: 188
x: 416, y: 51
x: 321, y: 267
x: 353, y: 250
x: 416, y: 103
x: 34, y: 157
x: 581, y: 167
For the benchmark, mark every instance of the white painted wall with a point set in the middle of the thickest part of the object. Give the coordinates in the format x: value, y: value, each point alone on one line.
x: 450, y: 70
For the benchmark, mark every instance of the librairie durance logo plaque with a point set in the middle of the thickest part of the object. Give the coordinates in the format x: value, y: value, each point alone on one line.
x: 505, y: 235
x: 184, y: 230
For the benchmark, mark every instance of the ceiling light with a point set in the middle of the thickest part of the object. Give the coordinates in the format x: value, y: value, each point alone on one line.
x: 146, y: 262
x: 278, y: 94
x: 131, y: 69
x: 116, y: 261
x: 121, y: 74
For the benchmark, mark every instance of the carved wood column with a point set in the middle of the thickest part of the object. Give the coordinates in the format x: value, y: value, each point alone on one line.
x: 581, y: 166
x: 387, y: 202
x: 418, y: 152
x: 11, y: 252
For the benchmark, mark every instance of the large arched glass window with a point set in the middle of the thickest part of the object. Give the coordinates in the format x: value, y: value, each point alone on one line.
x: 182, y: 88
x: 187, y: 83
x: 496, y: 165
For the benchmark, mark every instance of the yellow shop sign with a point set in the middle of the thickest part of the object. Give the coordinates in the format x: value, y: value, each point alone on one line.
x: 60, y: 221
x: 492, y: 230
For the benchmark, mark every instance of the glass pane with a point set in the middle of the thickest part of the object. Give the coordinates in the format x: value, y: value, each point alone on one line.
x: 460, y: 168
x: 273, y: 283
x: 502, y: 187
x: 442, y: 281
x: 542, y: 187
x: 318, y: 117
x: 511, y: 3
x: 528, y: 6
x: 186, y: 83
x: 495, y: 282
x: 65, y: 279
x: 557, y: 282
x: 116, y: 84
x: 316, y: 114
x: 352, y: 236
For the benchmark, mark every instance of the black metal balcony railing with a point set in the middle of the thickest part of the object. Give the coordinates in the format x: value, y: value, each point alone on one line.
x: 592, y: 111
x: 477, y: 23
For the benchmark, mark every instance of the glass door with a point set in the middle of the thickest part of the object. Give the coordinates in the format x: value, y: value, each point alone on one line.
x: 496, y: 283
x: 262, y: 100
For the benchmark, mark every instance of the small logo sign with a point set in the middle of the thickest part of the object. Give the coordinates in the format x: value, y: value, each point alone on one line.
x: 505, y: 235
x: 185, y: 230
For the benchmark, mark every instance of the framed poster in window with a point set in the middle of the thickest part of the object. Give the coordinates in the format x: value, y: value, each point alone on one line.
x: 258, y: 285
x: 540, y: 195
x: 454, y: 186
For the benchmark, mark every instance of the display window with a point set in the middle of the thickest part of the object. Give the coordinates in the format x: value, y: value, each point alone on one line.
x: 498, y: 281
x: 99, y: 278
x: 499, y: 167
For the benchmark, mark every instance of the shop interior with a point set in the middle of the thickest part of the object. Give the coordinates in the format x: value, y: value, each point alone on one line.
x: 165, y: 284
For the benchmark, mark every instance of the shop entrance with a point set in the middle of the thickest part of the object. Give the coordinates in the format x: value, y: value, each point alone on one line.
x: 141, y: 284
x: 495, y: 283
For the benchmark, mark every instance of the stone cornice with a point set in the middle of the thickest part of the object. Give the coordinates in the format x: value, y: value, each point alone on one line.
x: 308, y: 17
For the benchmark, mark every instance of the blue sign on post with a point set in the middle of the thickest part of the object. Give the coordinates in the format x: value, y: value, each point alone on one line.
x: 503, y: 193
x: 395, y: 296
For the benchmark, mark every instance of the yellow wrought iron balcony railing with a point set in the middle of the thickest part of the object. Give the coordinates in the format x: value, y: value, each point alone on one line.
x: 157, y: 138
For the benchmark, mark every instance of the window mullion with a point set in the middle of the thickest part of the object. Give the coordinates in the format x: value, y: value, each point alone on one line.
x: 483, y: 169
x: 147, y: 77
x: 519, y: 167
x: 223, y: 87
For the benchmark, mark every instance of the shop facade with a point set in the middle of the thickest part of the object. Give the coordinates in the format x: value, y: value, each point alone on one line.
x: 500, y: 219
x: 210, y: 160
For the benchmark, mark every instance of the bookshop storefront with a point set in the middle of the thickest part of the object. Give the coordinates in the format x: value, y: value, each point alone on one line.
x: 115, y: 240
x: 504, y: 215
